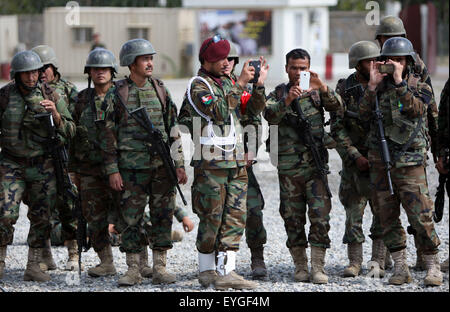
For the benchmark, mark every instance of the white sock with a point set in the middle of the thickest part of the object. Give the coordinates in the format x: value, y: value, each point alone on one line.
x: 206, y: 262
x: 226, y: 262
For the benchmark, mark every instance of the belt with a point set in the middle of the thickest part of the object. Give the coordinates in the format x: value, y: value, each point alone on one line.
x: 25, y: 161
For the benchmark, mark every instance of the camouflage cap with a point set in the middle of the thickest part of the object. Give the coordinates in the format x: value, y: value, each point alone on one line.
x: 133, y: 48
x: 101, y: 57
x: 398, y: 46
x: 25, y: 61
x: 47, y: 55
x: 362, y: 50
x: 390, y: 26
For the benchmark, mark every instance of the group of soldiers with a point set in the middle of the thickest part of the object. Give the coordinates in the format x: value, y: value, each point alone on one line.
x: 118, y: 170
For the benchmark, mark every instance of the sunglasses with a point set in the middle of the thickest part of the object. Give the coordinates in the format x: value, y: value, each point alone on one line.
x: 214, y: 39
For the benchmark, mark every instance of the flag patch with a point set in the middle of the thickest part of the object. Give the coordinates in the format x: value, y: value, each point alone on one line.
x: 207, y: 99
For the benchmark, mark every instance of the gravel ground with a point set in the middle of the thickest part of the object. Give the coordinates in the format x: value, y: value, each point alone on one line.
x: 182, y: 259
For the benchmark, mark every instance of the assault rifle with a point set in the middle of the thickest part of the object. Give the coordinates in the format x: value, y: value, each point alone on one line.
x: 384, y: 149
x: 303, y: 128
x: 64, y: 185
x: 155, y: 138
x: 439, y: 201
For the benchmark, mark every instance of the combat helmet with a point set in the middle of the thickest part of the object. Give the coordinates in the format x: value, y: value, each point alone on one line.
x: 101, y: 57
x: 25, y: 61
x: 133, y: 48
x: 233, y: 53
x: 398, y: 46
x: 47, y: 55
x: 362, y: 50
x: 390, y: 26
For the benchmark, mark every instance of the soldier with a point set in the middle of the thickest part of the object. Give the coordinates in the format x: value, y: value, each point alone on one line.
x: 25, y: 165
x: 403, y: 101
x: 392, y: 26
x: 133, y: 167
x: 444, y: 142
x: 300, y: 183
x: 95, y: 193
x: 62, y: 209
x: 255, y: 233
x: 350, y: 133
x: 220, y: 182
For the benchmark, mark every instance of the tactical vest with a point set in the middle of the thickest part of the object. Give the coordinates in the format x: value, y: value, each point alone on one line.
x: 154, y: 100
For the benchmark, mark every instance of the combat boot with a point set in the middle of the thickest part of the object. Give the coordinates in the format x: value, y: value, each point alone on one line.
x: 226, y: 276
x: 300, y: 259
x: 444, y: 266
x: 47, y: 263
x: 355, y: 255
x: 387, y: 260
x: 177, y: 236
x: 401, y: 271
x: 434, y: 274
x: 2, y: 260
x: 33, y: 271
x: 106, y: 266
x: 145, y: 270
x: 258, y: 266
x: 420, y: 261
x: 132, y: 276
x: 207, y: 268
x: 318, y: 275
x: 376, y: 264
x: 160, y: 275
x: 72, y: 250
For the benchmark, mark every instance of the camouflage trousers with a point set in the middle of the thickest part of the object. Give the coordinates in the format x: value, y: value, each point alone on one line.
x: 255, y: 233
x: 219, y: 200
x: 40, y: 183
x: 300, y: 187
x: 142, y: 187
x: 411, y: 191
x: 96, y: 199
x: 354, y: 194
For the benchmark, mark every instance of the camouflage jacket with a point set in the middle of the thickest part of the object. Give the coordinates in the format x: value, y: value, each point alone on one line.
x: 347, y: 129
x: 19, y: 128
x: 292, y: 152
x: 219, y: 107
x: 119, y: 146
x: 89, y: 116
x: 403, y: 108
x: 66, y: 90
x: 444, y: 120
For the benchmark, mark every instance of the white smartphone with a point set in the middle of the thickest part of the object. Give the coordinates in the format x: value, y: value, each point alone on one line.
x: 304, y: 80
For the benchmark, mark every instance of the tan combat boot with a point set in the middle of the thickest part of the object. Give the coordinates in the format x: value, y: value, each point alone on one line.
x: 2, y: 260
x: 376, y: 264
x: 434, y: 274
x: 420, y: 261
x: 33, y: 271
x: 72, y: 250
x: 145, y: 270
x: 132, y: 276
x: 177, y: 236
x: 444, y: 266
x: 300, y: 259
x: 387, y: 260
x: 318, y: 275
x: 160, y: 275
x: 355, y: 255
x: 258, y: 266
x: 47, y: 263
x: 226, y: 276
x: 401, y: 271
x: 106, y: 266
x: 207, y: 267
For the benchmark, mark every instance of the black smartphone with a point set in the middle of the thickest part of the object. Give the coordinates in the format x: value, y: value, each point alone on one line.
x: 257, y: 66
x: 386, y: 69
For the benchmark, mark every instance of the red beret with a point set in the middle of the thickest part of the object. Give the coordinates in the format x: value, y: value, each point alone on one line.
x: 212, y: 51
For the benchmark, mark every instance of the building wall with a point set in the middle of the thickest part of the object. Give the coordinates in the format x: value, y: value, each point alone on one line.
x: 112, y: 24
x: 8, y: 37
x: 31, y: 29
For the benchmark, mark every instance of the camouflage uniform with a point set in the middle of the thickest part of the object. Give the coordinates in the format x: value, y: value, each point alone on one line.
x: 24, y: 165
x: 142, y: 170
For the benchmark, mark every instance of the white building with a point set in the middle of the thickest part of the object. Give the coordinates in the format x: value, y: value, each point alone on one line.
x: 294, y: 24
x: 9, y: 37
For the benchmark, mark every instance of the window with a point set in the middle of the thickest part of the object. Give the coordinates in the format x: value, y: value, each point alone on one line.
x: 135, y: 33
x: 82, y: 35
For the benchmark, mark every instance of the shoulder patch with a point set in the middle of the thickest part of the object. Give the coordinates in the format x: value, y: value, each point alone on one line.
x: 206, y: 98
